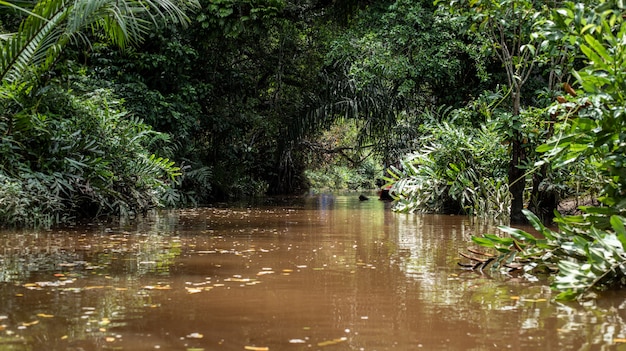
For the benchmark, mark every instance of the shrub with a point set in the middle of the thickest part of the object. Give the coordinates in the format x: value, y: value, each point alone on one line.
x: 66, y: 156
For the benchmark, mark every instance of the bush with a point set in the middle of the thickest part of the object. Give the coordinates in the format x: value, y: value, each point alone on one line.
x: 458, y: 169
x: 66, y: 157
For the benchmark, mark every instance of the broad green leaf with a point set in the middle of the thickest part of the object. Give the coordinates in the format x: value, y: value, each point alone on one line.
x: 617, y: 223
x: 483, y: 242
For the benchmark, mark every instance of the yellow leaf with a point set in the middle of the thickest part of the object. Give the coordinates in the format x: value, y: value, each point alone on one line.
x: 331, y: 342
x: 256, y: 348
x: 94, y: 287
x: 43, y: 315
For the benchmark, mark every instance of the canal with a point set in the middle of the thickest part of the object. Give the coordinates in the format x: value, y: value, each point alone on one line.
x: 319, y: 273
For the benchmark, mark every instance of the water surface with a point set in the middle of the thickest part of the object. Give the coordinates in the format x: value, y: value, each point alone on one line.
x: 322, y: 273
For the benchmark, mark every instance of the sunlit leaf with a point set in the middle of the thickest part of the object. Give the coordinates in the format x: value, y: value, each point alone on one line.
x: 332, y: 342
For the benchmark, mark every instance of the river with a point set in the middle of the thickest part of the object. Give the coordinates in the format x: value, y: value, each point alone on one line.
x: 319, y: 273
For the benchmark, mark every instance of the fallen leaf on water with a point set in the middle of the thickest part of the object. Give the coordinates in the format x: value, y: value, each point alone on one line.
x: 297, y: 341
x: 109, y: 339
x: 619, y: 340
x: 331, y: 342
x: 256, y: 348
x: 514, y: 297
x: 195, y: 336
x: 195, y: 349
x: 43, y: 315
x: 64, y: 337
x: 193, y: 290
x: 157, y: 287
x: 94, y: 287
x: 29, y: 324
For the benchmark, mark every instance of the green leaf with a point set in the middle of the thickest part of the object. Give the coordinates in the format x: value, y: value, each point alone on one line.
x: 483, y: 242
x: 595, y: 51
x: 617, y: 223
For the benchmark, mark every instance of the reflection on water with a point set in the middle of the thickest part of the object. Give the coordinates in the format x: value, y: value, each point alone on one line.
x: 319, y: 273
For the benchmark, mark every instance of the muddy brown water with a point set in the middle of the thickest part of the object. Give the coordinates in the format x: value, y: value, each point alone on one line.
x: 321, y: 273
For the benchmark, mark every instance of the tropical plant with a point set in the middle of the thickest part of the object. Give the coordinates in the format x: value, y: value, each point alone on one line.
x: 584, y: 257
x: 456, y: 170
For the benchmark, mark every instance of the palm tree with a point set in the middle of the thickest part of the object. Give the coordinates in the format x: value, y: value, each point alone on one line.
x: 51, y: 24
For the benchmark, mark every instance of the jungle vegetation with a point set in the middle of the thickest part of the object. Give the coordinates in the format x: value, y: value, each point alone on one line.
x: 500, y: 109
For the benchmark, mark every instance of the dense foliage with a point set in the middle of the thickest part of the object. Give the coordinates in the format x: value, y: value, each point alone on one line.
x: 589, y: 250
x: 72, y: 156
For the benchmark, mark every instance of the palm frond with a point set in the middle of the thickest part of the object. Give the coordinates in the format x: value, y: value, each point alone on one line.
x: 20, y: 50
x: 52, y: 23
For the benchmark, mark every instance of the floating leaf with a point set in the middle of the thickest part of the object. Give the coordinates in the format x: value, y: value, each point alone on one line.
x: 195, y: 336
x: 256, y: 348
x: 43, y: 315
x: 332, y: 342
x: 158, y: 287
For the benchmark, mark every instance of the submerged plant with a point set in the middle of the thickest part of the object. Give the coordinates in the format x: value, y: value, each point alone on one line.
x: 584, y: 257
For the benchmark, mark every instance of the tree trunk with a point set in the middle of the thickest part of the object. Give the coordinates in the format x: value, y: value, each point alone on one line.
x: 517, y: 178
x: 517, y: 182
x: 543, y: 201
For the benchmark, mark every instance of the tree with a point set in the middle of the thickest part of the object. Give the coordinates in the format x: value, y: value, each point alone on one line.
x: 505, y: 27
